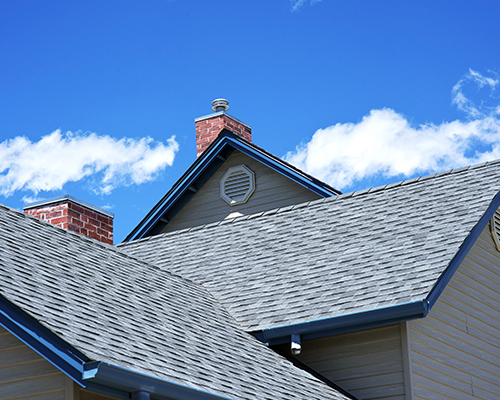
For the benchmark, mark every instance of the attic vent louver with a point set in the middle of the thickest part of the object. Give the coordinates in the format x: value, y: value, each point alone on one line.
x: 237, y: 185
x: 495, y: 228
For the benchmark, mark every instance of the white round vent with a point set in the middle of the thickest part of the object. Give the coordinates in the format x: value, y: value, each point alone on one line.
x: 495, y: 228
x: 237, y: 185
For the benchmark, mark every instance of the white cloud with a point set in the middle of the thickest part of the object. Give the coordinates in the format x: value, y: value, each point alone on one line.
x: 60, y: 158
x: 385, y: 143
x: 296, y: 4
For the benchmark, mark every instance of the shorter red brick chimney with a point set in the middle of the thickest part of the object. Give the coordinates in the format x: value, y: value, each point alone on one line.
x: 209, y: 127
x: 74, y: 215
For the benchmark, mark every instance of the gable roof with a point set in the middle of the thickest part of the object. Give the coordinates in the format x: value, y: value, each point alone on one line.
x: 204, y: 168
x: 337, y: 264
x: 109, y: 320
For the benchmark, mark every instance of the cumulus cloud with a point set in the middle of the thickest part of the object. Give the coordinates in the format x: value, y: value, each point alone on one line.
x: 386, y: 143
x: 60, y: 158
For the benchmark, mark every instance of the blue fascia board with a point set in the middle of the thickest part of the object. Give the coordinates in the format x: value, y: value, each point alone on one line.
x: 226, y: 139
x: 344, y: 323
x: 278, y: 167
x: 465, y: 247
x: 205, y: 159
x: 42, y: 340
x: 104, y: 374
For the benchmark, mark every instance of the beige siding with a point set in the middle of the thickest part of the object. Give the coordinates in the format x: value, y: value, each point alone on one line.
x: 369, y: 363
x: 26, y: 375
x: 86, y: 395
x: 272, y: 190
x: 455, y: 350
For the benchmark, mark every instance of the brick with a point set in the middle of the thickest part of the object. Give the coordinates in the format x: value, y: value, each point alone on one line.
x: 58, y: 220
x: 103, y: 218
x: 77, y: 222
x: 77, y: 208
x: 90, y: 227
x: 90, y: 214
x: 93, y: 235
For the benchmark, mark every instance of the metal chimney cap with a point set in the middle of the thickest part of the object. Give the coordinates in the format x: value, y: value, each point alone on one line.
x: 220, y: 105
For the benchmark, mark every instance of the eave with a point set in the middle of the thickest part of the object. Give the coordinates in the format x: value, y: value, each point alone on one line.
x: 382, y: 316
x: 204, y: 168
x: 95, y: 376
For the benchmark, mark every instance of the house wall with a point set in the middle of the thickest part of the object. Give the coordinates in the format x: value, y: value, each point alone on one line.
x: 368, y: 363
x: 455, y: 350
x: 272, y: 190
x: 26, y: 375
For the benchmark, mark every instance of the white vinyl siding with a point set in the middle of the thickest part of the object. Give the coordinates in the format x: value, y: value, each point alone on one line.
x: 272, y: 190
x: 368, y: 363
x: 455, y: 350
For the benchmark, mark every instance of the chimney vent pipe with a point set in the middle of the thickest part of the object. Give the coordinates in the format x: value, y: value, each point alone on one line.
x: 220, y: 105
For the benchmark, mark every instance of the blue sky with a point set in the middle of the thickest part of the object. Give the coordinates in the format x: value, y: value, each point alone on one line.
x: 98, y: 98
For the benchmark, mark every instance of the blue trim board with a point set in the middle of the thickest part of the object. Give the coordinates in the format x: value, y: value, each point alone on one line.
x: 344, y: 323
x: 225, y: 143
x: 465, y: 247
x: 129, y: 381
x: 42, y: 340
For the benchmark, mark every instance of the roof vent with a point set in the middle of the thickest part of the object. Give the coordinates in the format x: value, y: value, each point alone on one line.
x: 495, y: 229
x: 220, y: 105
x: 237, y: 185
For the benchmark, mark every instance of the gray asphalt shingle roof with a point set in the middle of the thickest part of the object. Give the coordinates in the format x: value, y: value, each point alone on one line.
x: 117, y: 309
x: 349, y: 253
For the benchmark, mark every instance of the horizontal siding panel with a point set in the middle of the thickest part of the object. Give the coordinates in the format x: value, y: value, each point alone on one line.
x: 461, y: 339
x: 381, y: 392
x: 427, y: 388
x: 467, y: 322
x: 9, y: 341
x: 26, y: 370
x: 459, y: 377
x: 38, y: 385
x: 373, y: 381
x: 86, y: 395
x: 457, y: 354
x: 455, y: 350
x: 17, y: 355
x: 58, y: 395
x: 366, y: 363
x: 473, y: 303
x: 385, y: 362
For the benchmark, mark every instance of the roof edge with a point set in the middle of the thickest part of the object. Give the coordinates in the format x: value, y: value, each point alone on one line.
x: 108, y: 375
x: 344, y: 323
x: 225, y: 138
x: 42, y: 340
x: 464, y: 249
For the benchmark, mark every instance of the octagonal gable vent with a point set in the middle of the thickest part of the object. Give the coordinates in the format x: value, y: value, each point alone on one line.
x: 237, y: 185
x: 495, y: 228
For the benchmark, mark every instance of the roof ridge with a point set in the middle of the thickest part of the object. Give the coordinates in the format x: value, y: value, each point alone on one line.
x: 76, y: 236
x: 306, y: 204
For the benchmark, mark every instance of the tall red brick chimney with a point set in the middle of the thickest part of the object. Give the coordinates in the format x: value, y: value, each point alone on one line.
x: 74, y: 215
x: 209, y: 126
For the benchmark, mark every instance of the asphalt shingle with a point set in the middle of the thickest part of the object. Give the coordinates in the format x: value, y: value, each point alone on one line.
x: 117, y: 309
x: 326, y: 258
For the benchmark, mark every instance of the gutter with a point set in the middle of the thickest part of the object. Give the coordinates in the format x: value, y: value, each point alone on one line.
x: 99, y: 374
x: 345, y: 323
